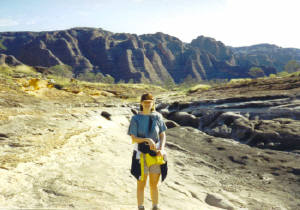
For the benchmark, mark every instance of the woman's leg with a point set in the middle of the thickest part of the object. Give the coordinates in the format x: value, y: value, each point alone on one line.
x: 154, y: 179
x: 140, y: 190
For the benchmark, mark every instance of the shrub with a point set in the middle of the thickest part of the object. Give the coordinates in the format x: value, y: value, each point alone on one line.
x: 91, y: 77
x: 235, y: 81
x: 169, y: 84
x: 283, y: 74
x: 62, y: 71
x: 256, y: 72
x: 108, y: 79
x: 217, y: 82
x: 121, y: 81
x: 131, y: 81
x: 292, y: 66
x: 59, y: 82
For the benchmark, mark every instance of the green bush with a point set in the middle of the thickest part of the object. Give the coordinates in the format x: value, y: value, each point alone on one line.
x: 59, y: 81
x: 131, y: 81
x: 292, y: 66
x: 169, y: 84
x: 62, y: 71
x: 256, y: 72
x: 283, y: 74
x: 217, y: 82
x: 108, y: 79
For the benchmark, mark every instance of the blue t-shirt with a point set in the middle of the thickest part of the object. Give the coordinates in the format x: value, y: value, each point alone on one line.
x: 139, y: 126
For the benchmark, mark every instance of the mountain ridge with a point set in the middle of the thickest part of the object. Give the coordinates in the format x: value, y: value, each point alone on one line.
x: 152, y: 58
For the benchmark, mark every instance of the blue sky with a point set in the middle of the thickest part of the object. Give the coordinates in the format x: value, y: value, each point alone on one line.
x: 234, y: 22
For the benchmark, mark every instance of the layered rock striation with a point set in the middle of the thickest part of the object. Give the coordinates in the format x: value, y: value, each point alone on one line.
x: 151, y: 57
x: 262, y: 121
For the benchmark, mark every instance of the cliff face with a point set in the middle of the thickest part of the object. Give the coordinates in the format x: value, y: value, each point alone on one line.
x: 150, y: 57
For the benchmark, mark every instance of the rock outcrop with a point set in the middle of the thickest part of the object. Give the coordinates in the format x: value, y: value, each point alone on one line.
x: 66, y: 154
x: 152, y: 58
x: 265, y: 121
x: 9, y: 60
x: 69, y: 158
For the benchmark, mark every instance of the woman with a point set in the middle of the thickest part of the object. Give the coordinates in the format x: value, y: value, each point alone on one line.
x: 147, y: 130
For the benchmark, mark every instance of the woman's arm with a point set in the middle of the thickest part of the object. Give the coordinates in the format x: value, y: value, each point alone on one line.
x: 138, y: 139
x: 162, y: 137
x: 141, y: 140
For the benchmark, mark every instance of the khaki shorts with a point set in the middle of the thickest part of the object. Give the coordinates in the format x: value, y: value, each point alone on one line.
x: 154, y: 169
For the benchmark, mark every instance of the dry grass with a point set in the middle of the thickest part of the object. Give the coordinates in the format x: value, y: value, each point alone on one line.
x: 239, y: 81
x: 18, y: 79
x: 198, y: 88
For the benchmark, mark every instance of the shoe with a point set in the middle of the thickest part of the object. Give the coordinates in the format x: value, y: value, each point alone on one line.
x: 156, y: 208
x: 141, y: 208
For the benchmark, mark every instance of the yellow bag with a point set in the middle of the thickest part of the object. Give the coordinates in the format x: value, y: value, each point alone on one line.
x: 152, y: 160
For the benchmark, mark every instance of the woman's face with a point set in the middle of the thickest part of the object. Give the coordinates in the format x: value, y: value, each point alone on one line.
x: 147, y: 104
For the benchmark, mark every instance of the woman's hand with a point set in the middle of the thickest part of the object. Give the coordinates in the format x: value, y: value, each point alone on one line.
x: 161, y: 152
x: 151, y: 144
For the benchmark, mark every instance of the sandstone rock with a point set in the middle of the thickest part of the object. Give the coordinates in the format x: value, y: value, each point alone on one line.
x: 245, y: 119
x: 206, y: 117
x: 219, y: 131
x: 3, y: 136
x: 225, y: 155
x: 36, y: 53
x: 161, y: 105
x: 265, y: 54
x: 9, y: 60
x: 216, y: 48
x: 176, y: 106
x: 106, y: 114
x: 218, y: 201
x: 164, y: 112
x: 184, y: 119
x: 134, y: 111
x: 232, y: 126
x: 283, y: 133
x: 152, y: 57
x: 171, y: 124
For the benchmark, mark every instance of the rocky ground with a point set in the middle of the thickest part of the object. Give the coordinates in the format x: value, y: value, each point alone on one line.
x: 69, y: 156
x: 264, y: 113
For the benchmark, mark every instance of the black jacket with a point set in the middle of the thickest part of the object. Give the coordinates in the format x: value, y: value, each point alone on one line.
x: 136, y: 168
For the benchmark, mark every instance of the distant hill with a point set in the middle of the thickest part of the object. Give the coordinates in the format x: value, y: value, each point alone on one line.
x: 266, y: 55
x: 150, y: 57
